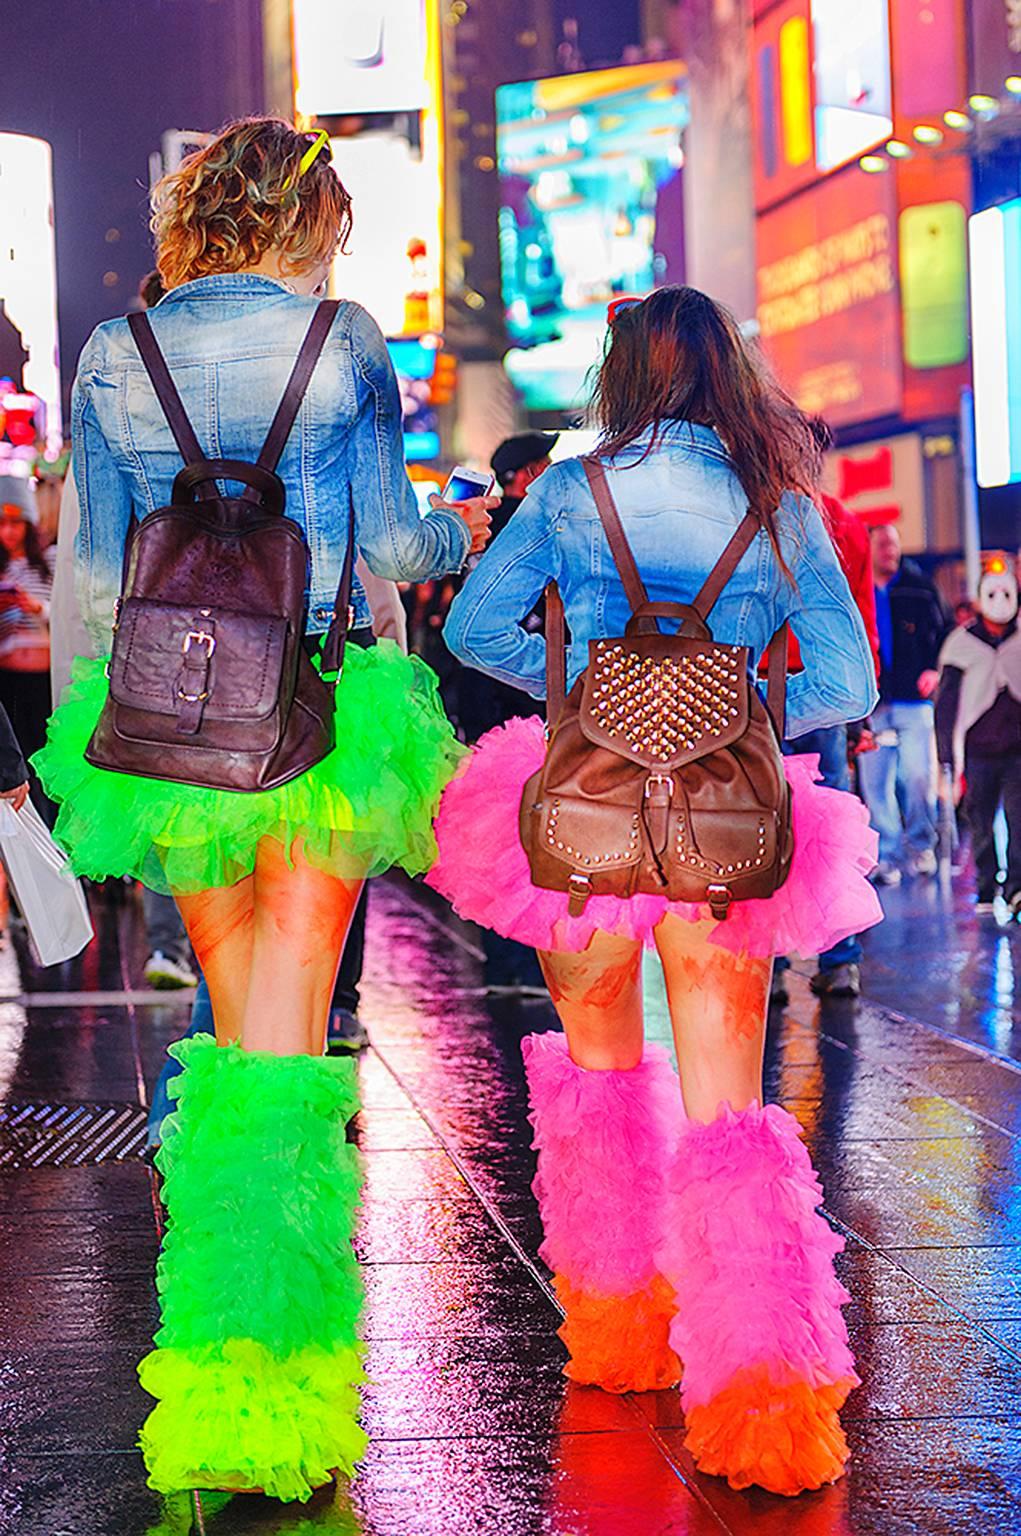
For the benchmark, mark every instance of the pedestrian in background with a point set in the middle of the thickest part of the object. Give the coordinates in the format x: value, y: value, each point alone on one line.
x: 978, y: 727
x: 26, y: 584
x: 897, y: 780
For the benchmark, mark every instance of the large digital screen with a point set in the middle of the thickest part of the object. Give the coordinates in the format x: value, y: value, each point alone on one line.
x: 415, y: 366
x: 28, y: 268
x: 828, y: 308
x: 995, y: 239
x: 357, y: 56
x: 591, y: 207
x: 853, y: 98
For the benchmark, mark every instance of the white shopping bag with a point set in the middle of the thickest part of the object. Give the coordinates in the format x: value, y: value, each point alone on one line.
x: 51, y: 899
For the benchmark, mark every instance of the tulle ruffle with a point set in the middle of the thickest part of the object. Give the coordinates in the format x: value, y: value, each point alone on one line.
x: 483, y: 872
x: 257, y: 1363
x: 368, y: 805
x: 601, y: 1137
x: 759, y: 1323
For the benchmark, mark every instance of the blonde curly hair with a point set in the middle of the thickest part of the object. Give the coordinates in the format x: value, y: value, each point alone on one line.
x: 242, y: 195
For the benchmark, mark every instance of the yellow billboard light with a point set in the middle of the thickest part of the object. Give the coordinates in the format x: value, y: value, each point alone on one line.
x: 795, y: 92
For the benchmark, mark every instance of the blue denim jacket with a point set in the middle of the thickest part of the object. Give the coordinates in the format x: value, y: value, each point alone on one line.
x: 231, y: 341
x: 679, y: 507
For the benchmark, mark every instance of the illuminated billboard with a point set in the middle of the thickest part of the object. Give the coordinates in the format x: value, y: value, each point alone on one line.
x: 821, y: 90
x: 357, y: 56
x: 28, y: 268
x: 591, y: 207
x: 828, y: 307
x: 995, y: 239
x: 853, y: 105
x: 394, y: 263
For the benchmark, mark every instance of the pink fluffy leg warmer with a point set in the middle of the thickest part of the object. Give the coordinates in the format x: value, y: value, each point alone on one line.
x: 758, y: 1324
x: 606, y: 1141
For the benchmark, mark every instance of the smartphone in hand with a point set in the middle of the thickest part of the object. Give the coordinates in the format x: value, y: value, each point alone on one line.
x: 463, y: 483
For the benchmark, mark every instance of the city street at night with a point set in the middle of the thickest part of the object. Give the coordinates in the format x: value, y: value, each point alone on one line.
x: 510, y: 768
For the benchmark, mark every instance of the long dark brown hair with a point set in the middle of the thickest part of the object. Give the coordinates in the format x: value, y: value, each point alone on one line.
x: 679, y: 356
x: 33, y: 552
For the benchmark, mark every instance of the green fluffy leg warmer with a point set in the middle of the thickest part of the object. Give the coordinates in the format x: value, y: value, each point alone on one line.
x: 257, y: 1362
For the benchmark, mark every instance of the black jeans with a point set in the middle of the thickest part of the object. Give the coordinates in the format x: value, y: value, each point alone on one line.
x: 27, y: 700
x: 992, y: 780
x: 345, y: 988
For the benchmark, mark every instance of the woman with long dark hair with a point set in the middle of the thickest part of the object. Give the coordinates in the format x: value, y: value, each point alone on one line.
x: 257, y: 1364
x: 678, y: 1233
x: 26, y: 584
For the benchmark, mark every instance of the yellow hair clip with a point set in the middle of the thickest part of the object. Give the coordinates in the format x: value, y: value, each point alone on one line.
x: 322, y: 138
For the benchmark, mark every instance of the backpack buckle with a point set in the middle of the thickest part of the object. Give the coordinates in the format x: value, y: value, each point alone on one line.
x: 199, y: 637
x: 719, y: 897
x: 579, y: 889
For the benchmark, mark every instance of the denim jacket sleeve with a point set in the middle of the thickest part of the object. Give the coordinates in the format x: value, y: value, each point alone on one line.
x: 105, y: 502
x: 483, y: 628
x: 397, y: 543
x: 839, y: 678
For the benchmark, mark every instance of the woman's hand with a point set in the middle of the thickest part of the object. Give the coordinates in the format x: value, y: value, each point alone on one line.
x: 17, y: 796
x: 475, y: 513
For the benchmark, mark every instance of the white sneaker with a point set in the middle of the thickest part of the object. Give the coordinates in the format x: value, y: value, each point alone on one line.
x: 886, y: 874
x: 166, y: 974
x: 925, y: 863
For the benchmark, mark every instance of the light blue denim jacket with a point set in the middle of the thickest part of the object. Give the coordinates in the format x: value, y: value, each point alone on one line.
x: 231, y: 341
x: 679, y: 507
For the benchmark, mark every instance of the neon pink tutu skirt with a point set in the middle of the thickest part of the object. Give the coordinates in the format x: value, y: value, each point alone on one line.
x: 483, y: 872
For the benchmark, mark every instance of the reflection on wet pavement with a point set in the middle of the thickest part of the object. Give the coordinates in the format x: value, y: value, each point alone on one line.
x: 911, y: 1109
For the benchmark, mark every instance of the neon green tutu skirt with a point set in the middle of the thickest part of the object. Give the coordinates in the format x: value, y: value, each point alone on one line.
x: 367, y: 806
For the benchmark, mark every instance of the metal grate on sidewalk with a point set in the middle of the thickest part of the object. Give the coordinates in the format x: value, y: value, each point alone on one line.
x: 70, y: 1135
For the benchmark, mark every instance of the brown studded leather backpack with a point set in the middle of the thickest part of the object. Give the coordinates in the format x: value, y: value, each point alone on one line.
x: 663, y: 773
x: 209, y: 680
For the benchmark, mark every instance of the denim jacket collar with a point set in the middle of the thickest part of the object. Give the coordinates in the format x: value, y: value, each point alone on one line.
x: 218, y: 285
x: 687, y: 436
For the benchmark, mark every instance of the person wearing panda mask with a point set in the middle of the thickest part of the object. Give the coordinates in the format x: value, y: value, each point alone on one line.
x: 978, y: 727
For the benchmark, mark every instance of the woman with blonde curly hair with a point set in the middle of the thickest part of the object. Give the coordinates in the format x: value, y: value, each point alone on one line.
x: 257, y: 1365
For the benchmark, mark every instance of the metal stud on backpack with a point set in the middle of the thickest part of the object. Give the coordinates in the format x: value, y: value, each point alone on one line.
x: 663, y: 774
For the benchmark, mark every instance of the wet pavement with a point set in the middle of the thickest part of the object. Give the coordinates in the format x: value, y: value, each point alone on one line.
x: 912, y: 1113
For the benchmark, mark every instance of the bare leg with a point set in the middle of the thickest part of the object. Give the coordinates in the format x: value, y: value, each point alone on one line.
x: 598, y: 995
x: 220, y: 927
x: 718, y: 1011
x: 301, y: 919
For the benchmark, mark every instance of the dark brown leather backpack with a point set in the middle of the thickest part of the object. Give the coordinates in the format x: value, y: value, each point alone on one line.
x: 663, y: 774
x: 210, y: 683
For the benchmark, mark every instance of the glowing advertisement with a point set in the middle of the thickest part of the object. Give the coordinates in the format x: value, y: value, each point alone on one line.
x: 359, y: 56
x: 821, y: 90
x: 591, y: 207
x: 28, y: 268
x: 828, y: 305
x: 393, y: 264
x: 995, y: 241
x: 415, y: 366
x: 853, y: 102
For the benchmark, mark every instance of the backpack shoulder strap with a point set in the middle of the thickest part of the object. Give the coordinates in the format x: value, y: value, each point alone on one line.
x: 620, y: 549
x: 297, y: 384
x: 727, y: 564
x: 776, y: 670
x: 166, y: 392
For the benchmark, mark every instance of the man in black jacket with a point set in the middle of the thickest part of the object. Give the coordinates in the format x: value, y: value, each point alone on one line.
x: 897, y: 779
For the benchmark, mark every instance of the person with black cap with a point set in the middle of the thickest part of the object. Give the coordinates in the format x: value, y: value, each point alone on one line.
x: 516, y: 463
x: 483, y: 702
